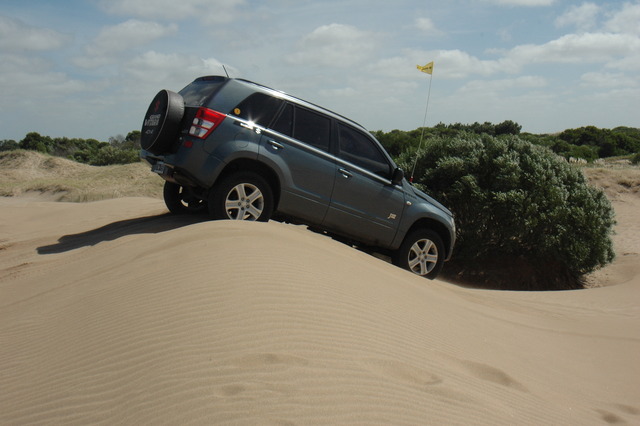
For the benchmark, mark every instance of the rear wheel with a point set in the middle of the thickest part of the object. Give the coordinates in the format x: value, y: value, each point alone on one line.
x: 422, y: 252
x: 181, y: 199
x: 242, y: 196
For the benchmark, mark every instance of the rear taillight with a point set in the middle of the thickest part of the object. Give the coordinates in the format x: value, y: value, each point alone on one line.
x: 205, y: 122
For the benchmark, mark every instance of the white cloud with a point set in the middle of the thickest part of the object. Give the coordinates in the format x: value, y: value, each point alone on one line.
x: 31, y: 85
x: 523, y: 2
x: 169, y: 70
x: 509, y: 84
x: 583, y: 17
x: 626, y: 20
x: 208, y: 11
x: 448, y: 64
x: 120, y: 99
x: 130, y: 34
x: 122, y: 37
x: 344, y: 92
x: 334, y: 45
x: 577, y: 48
x: 16, y: 35
x: 399, y: 66
x: 366, y: 71
x: 628, y: 63
x: 617, y: 51
x: 426, y: 25
x: 35, y: 78
x: 595, y: 80
x: 458, y: 64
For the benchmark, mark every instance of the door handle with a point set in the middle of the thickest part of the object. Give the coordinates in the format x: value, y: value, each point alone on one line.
x: 276, y: 145
x: 345, y: 173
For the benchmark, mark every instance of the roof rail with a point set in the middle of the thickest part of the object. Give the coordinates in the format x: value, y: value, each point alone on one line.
x: 301, y: 100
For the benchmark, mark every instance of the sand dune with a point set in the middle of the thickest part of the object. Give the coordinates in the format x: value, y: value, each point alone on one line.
x: 113, y: 312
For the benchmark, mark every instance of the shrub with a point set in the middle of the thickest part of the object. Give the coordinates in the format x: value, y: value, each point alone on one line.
x: 8, y: 145
x: 526, y: 219
x: 108, y: 155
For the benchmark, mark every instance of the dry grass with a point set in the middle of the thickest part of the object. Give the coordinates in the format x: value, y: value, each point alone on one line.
x: 28, y: 172
x: 615, y: 180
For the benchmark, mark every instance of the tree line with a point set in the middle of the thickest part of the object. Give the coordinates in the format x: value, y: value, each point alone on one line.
x: 118, y: 150
x: 589, y: 143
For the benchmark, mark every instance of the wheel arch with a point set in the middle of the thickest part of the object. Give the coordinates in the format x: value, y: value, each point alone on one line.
x: 436, y: 226
x: 246, y: 164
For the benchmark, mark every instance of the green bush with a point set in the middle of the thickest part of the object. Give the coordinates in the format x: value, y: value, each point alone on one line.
x: 108, y: 155
x: 526, y: 219
x: 119, y: 149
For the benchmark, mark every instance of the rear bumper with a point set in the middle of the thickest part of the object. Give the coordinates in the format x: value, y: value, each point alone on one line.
x: 162, y: 166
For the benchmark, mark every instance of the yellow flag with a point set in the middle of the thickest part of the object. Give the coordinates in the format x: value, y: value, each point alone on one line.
x: 427, y: 68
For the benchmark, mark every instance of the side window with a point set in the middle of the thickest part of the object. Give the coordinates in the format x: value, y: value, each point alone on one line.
x: 284, y: 123
x: 312, y: 128
x: 258, y: 108
x: 358, y: 149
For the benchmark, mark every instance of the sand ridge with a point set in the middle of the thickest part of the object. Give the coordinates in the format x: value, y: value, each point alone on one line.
x: 114, y: 312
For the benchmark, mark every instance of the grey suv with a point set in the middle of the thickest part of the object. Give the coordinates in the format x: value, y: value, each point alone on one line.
x: 243, y: 151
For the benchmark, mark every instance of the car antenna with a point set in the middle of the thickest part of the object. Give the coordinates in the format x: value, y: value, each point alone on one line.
x: 225, y: 71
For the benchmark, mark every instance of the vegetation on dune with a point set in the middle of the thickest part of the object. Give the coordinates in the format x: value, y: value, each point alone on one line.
x: 119, y: 150
x: 26, y: 172
x: 526, y: 218
x: 589, y: 143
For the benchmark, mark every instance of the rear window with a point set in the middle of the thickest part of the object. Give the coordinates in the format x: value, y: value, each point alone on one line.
x: 197, y: 93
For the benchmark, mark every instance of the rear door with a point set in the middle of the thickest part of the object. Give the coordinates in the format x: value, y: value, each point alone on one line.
x: 365, y: 205
x: 297, y: 145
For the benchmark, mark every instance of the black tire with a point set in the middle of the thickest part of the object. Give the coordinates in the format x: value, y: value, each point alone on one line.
x: 161, y: 123
x: 421, y: 252
x: 242, y: 196
x: 180, y: 199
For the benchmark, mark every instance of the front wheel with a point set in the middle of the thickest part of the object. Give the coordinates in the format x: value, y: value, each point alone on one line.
x: 242, y: 196
x: 181, y: 200
x: 421, y: 252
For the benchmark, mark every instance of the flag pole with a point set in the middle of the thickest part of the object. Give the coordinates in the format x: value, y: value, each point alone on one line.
x: 429, y: 70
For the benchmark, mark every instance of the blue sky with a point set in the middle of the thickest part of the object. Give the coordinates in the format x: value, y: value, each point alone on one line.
x: 89, y: 68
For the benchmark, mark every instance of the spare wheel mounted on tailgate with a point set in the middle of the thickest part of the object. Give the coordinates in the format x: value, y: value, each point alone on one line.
x: 162, y: 122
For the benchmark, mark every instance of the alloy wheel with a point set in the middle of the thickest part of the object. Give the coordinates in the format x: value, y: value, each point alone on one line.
x: 423, y: 256
x: 244, y: 202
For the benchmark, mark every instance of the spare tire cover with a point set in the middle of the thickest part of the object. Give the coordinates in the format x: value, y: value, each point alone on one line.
x: 162, y: 122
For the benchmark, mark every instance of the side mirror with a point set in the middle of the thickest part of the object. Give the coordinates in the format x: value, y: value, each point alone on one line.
x: 398, y: 175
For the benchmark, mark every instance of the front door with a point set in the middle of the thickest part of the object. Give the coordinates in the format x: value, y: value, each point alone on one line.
x: 365, y: 205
